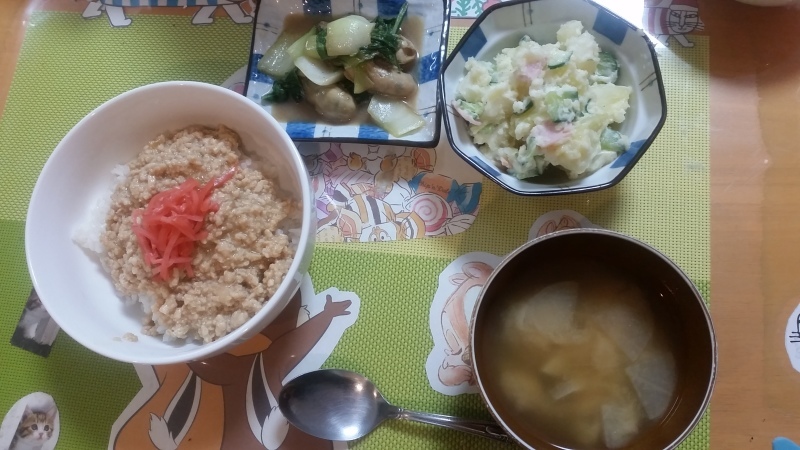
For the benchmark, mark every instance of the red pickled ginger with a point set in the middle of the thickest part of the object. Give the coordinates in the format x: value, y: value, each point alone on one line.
x: 172, y: 222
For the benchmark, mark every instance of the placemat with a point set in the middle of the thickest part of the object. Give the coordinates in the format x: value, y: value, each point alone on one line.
x: 393, y: 291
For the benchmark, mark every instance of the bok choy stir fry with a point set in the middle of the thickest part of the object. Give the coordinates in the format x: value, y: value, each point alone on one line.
x: 337, y: 66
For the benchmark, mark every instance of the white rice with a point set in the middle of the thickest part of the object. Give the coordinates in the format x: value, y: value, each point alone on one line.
x: 87, y: 233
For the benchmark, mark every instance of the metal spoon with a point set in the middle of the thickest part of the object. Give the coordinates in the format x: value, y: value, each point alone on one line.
x: 342, y: 406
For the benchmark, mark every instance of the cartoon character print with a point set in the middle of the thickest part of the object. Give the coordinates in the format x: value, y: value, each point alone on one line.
x: 457, y: 366
x: 205, y: 14
x: 672, y: 18
x: 792, y: 338
x: 373, y: 194
x: 365, y: 218
x: 449, y: 365
x: 564, y: 223
x: 558, y: 220
x: 229, y: 401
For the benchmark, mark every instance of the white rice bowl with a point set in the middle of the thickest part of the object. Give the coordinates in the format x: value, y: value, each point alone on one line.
x: 72, y: 197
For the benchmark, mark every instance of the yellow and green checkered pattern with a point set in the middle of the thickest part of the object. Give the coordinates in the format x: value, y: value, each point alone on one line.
x: 69, y: 65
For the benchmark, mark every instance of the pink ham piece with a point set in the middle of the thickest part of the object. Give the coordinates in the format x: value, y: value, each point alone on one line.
x: 549, y: 133
x: 530, y: 71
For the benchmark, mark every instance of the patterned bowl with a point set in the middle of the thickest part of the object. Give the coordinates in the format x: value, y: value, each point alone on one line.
x: 502, y: 25
x: 433, y: 17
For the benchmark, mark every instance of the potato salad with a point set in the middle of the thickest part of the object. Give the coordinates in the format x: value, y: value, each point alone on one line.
x: 538, y: 105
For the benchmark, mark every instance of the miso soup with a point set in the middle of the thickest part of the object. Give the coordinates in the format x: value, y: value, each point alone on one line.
x: 587, y: 359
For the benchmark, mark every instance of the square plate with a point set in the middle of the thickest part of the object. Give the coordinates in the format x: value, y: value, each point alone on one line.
x: 433, y: 16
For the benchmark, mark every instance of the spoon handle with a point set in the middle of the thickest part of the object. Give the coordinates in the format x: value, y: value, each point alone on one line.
x: 483, y: 428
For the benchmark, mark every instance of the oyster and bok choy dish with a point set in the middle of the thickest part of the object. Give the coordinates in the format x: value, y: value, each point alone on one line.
x: 339, y: 67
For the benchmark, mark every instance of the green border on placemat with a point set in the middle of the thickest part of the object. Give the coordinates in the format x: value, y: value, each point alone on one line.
x: 69, y: 65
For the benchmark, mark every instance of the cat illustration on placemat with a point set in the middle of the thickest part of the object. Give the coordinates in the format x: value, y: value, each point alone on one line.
x: 34, y: 319
x: 36, y: 330
x: 35, y: 428
x: 31, y: 424
x: 672, y: 19
x: 205, y: 15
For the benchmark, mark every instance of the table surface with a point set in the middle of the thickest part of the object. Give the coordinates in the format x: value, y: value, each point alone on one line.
x: 755, y: 127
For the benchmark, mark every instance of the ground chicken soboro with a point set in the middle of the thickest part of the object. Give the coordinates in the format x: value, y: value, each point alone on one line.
x: 237, y: 267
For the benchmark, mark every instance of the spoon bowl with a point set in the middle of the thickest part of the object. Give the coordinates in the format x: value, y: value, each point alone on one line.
x: 342, y: 406
x: 334, y: 404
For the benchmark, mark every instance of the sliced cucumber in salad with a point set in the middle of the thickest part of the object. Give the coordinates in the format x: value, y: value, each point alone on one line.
x: 558, y: 58
x: 562, y: 106
x: 523, y: 106
x: 607, y: 68
x: 613, y: 141
x: 525, y: 162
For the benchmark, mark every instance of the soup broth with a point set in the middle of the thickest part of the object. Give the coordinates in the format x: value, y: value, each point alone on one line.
x: 588, y: 359
x: 297, y: 25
